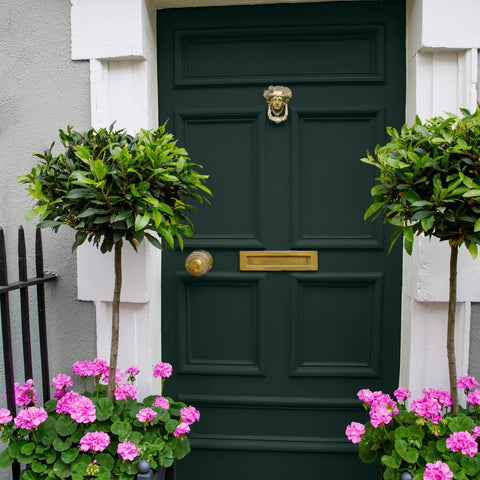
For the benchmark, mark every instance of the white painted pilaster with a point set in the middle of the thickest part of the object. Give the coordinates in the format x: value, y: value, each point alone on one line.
x: 119, y: 39
x: 442, y: 43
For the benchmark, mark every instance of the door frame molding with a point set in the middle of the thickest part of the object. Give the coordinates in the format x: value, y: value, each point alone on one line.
x: 441, y: 75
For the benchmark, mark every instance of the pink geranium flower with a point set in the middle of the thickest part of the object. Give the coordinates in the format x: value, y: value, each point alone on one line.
x: 99, y: 367
x: 162, y: 369
x: 437, y: 471
x: 467, y: 383
x: 124, y: 391
x: 95, y: 441
x: 463, y: 441
x: 5, y: 416
x: 83, y: 368
x: 181, y: 429
x: 133, y: 371
x: 30, y: 418
x: 190, y: 415
x: 161, y: 402
x: 473, y: 398
x: 146, y: 414
x: 25, y: 394
x: 355, y: 431
x: 82, y: 410
x: 127, y: 450
x: 64, y: 405
x: 401, y: 394
x: 62, y: 380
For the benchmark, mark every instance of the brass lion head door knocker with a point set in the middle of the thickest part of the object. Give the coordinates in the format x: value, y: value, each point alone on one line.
x: 277, y: 98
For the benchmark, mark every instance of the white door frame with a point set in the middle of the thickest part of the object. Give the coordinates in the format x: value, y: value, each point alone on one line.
x: 118, y: 37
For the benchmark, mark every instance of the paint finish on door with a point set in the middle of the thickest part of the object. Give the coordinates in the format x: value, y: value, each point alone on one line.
x: 273, y: 359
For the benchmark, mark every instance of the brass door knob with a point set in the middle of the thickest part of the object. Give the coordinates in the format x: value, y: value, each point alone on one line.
x: 198, y: 263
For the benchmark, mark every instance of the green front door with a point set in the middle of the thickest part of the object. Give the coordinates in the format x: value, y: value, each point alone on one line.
x: 273, y: 359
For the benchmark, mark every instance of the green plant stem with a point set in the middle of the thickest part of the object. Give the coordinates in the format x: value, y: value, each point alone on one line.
x: 115, y: 319
x: 452, y: 303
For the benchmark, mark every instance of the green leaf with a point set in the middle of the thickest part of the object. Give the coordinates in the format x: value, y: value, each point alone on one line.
x: 372, y: 209
x: 476, y: 228
x: 104, y: 408
x: 141, y: 221
x: 427, y: 223
x: 408, y: 234
x: 61, y: 469
x: 70, y: 455
x: 5, y: 459
x: 100, y: 169
x: 366, y: 454
x: 29, y: 475
x: 153, y: 240
x: 473, y: 249
x: 38, y: 466
x: 61, y: 446
x: 165, y: 208
x: 390, y: 461
x: 472, y: 193
x: 89, y: 212
x: 64, y: 426
x: 167, y: 236
x: 81, y: 179
x: 122, y: 429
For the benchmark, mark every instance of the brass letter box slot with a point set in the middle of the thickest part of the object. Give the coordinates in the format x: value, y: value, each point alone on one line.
x: 273, y: 260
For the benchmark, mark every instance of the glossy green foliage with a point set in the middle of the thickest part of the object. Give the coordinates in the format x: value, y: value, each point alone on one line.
x: 430, y: 180
x: 110, y: 186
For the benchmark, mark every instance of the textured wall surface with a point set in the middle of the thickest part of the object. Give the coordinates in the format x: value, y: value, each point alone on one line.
x: 41, y: 90
x: 474, y: 364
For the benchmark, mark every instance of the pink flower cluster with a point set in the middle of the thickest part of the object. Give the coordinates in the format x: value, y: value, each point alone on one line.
x: 161, y: 402
x: 431, y: 405
x: 90, y: 369
x: 355, y: 431
x: 124, y: 391
x: 181, y: 429
x: 127, y: 450
x: 463, y: 441
x: 437, y: 471
x: 466, y: 383
x: 382, y: 407
x: 146, y: 414
x: 189, y: 415
x: 61, y: 383
x: 30, y: 417
x: 95, y: 441
x: 80, y: 408
x: 162, y: 369
x: 5, y: 416
x: 25, y: 394
x: 401, y: 394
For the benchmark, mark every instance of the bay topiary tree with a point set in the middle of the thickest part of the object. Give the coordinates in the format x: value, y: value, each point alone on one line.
x: 113, y: 187
x: 429, y: 184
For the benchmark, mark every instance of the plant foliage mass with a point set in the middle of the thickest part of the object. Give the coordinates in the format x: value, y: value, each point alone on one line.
x: 109, y: 185
x: 430, y: 180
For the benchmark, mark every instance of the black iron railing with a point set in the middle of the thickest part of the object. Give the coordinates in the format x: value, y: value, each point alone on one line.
x: 22, y: 286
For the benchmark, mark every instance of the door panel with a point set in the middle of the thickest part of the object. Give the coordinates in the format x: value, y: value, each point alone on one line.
x: 273, y: 359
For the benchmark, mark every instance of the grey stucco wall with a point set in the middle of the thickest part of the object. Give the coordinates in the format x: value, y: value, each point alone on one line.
x: 41, y: 90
